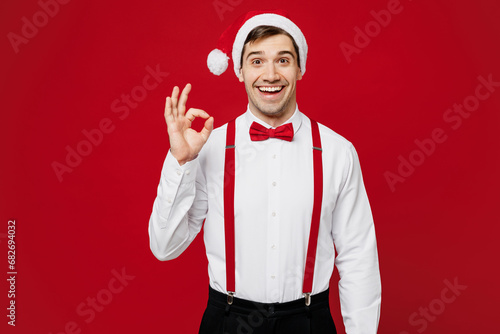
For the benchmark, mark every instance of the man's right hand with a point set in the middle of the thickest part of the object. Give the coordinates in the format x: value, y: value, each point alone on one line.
x: 185, y: 143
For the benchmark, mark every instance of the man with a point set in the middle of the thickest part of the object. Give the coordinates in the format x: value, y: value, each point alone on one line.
x: 280, y: 194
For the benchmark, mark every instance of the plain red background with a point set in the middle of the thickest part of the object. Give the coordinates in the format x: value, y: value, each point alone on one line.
x: 440, y: 223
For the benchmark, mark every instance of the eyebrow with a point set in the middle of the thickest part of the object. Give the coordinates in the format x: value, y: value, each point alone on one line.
x: 283, y: 52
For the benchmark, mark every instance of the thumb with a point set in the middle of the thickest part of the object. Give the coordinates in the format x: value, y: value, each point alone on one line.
x: 207, y: 128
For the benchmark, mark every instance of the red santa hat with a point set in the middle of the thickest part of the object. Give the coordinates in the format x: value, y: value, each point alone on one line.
x: 233, y: 38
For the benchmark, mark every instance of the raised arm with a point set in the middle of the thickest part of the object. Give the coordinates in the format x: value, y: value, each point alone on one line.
x: 181, y: 202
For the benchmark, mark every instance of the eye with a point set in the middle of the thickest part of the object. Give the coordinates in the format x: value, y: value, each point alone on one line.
x: 283, y: 61
x: 256, y: 61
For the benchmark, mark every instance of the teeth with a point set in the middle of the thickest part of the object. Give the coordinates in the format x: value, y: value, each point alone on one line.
x: 270, y: 89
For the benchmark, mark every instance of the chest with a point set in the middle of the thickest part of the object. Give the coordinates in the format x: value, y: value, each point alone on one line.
x: 274, y: 174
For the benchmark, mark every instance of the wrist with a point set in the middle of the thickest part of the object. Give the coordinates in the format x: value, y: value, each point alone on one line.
x: 183, y: 160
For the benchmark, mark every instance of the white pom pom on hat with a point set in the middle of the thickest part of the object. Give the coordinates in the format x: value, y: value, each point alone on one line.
x: 232, y: 40
x: 217, y: 61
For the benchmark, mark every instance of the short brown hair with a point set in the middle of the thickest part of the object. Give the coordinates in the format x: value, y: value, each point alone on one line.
x: 267, y: 31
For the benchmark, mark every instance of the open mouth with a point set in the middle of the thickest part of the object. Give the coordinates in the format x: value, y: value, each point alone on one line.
x: 270, y: 91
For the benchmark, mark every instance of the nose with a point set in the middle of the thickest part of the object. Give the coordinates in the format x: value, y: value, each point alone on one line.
x: 270, y: 72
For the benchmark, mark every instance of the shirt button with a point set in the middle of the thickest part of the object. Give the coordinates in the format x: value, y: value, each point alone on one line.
x: 169, y: 200
x: 273, y: 246
x: 273, y: 277
x: 188, y: 172
x: 274, y: 156
x: 274, y: 184
x: 273, y: 214
x: 178, y: 172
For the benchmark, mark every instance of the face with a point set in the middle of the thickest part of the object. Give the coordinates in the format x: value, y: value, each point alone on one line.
x: 270, y: 73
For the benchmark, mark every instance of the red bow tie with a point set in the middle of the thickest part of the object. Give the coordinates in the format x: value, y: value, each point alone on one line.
x: 259, y: 132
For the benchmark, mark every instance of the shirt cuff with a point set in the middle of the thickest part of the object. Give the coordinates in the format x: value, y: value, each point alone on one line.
x: 172, y: 169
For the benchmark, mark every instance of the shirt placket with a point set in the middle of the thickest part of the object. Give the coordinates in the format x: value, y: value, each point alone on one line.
x: 273, y: 221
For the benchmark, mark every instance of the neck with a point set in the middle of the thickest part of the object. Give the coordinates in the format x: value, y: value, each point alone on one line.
x: 276, y: 119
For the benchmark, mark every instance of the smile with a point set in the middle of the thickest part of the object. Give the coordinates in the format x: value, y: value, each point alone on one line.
x: 270, y: 89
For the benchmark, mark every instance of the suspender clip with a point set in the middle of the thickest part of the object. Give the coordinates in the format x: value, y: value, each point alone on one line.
x: 230, y: 296
x: 307, y: 295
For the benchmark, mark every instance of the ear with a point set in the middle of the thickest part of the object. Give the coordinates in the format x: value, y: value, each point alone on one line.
x: 240, y: 76
x: 299, y: 75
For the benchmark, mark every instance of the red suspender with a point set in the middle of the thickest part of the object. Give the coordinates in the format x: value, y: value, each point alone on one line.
x: 229, y: 171
x: 316, y: 214
x: 229, y: 210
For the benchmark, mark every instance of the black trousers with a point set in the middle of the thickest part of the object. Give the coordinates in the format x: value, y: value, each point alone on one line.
x: 247, y: 317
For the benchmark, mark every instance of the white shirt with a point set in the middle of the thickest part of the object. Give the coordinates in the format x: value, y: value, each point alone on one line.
x: 273, y: 207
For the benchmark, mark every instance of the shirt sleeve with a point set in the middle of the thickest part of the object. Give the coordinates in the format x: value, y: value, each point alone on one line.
x: 357, y: 259
x: 179, y: 208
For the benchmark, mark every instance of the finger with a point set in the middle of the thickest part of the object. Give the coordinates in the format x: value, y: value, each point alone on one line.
x: 183, y: 99
x: 175, y: 93
x: 193, y: 113
x: 207, y: 129
x: 168, y: 109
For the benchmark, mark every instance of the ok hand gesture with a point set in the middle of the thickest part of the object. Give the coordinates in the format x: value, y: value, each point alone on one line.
x: 185, y: 143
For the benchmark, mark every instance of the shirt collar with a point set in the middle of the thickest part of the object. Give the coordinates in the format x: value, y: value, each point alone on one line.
x: 295, y: 119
